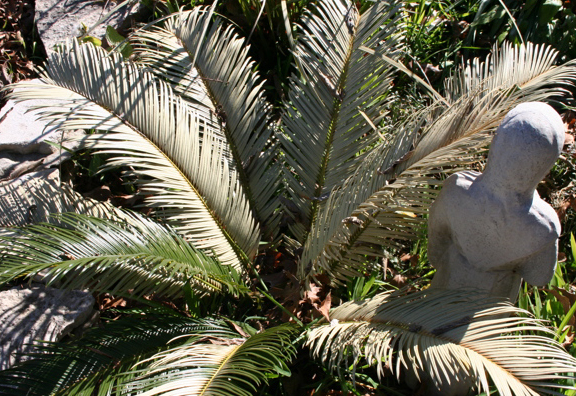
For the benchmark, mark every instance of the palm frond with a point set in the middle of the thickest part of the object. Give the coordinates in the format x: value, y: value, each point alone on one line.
x: 220, y: 367
x: 340, y: 219
x: 215, y: 74
x: 175, y: 154
x: 488, y: 90
x: 325, y: 126
x: 446, y: 336
x: 111, y: 256
x: 388, y: 194
x: 499, y: 69
x: 94, y: 361
x: 35, y: 201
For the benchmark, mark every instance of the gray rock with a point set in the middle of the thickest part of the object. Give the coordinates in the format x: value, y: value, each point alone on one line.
x: 21, y: 132
x: 489, y: 230
x: 7, y: 163
x: 59, y: 20
x: 38, y: 313
x: 12, y: 166
x: 25, y: 141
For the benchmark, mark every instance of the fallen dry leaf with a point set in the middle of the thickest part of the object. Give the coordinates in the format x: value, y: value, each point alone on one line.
x: 433, y: 73
x: 324, y: 308
x: 460, y: 29
x: 398, y: 280
x: 108, y: 302
x: 569, y: 118
x: 312, y: 295
x: 565, y: 203
x: 239, y: 330
x: 288, y: 295
x: 569, y: 340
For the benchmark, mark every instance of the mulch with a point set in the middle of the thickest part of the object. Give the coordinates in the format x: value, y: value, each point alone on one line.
x: 20, y: 47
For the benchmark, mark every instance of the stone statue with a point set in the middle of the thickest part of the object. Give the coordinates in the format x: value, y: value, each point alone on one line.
x: 489, y: 230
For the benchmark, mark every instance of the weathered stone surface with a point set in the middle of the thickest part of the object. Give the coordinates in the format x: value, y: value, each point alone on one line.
x: 21, y: 132
x: 489, y: 230
x: 38, y: 313
x: 59, y: 20
x: 24, y: 140
x: 12, y: 166
x: 7, y: 163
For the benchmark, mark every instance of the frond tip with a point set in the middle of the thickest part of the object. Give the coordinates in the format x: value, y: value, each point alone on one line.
x: 446, y: 337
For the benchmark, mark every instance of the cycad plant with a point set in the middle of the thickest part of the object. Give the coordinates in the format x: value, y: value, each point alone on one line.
x: 337, y: 181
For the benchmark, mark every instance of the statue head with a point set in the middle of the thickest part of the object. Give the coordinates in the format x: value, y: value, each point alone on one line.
x: 526, y: 145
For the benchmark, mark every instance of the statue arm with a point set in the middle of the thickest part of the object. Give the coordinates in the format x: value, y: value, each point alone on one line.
x: 538, y: 268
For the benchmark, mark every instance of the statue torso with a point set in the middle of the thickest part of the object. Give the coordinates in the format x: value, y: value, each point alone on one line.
x: 491, y: 234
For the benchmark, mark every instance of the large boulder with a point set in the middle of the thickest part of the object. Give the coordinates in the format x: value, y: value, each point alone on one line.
x: 27, y: 143
x: 59, y: 20
x: 38, y: 312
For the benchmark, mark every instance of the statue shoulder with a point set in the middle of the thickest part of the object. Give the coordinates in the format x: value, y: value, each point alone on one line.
x: 454, y: 191
x: 546, y: 216
x: 461, y: 179
x: 458, y: 183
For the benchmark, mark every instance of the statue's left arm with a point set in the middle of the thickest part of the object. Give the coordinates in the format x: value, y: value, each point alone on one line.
x: 538, y: 268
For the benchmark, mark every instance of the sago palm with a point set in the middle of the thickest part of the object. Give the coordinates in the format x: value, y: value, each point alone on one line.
x: 188, y: 119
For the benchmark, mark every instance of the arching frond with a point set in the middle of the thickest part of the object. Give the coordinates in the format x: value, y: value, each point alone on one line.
x: 500, y: 69
x: 446, y: 336
x: 385, y: 199
x: 95, y: 361
x: 208, y: 64
x: 325, y: 123
x: 140, y: 255
x: 219, y: 367
x: 488, y: 90
x: 175, y: 154
x: 338, y: 220
x: 36, y: 200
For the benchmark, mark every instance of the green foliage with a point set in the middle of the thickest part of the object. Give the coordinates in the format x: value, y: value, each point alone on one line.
x: 434, y: 34
x: 117, y: 40
x: 549, y: 303
x: 154, y: 354
x: 555, y: 305
x: 539, y: 21
x: 111, y: 257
